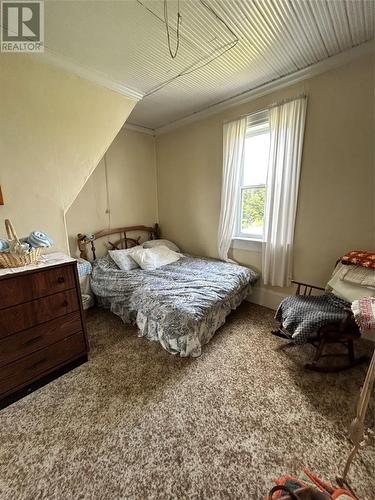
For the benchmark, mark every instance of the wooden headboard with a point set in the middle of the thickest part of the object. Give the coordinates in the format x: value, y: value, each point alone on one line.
x: 85, y: 241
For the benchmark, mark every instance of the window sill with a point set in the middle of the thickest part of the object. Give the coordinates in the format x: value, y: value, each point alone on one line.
x: 249, y: 244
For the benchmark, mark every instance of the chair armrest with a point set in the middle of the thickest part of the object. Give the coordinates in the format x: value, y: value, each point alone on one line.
x: 307, y: 288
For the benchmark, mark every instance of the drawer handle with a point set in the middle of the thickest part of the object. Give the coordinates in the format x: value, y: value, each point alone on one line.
x: 33, y: 340
x: 65, y: 303
x: 61, y: 279
x: 38, y: 363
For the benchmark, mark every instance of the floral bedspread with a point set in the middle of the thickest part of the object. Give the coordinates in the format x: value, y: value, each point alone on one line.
x: 181, y: 304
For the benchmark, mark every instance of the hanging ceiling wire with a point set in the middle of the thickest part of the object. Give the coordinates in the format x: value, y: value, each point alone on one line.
x: 179, y: 18
x: 200, y: 63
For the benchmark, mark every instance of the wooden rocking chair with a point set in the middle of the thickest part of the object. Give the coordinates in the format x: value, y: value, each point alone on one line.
x: 343, y: 333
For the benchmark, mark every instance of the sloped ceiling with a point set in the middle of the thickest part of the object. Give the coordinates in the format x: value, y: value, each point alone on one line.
x: 226, y: 47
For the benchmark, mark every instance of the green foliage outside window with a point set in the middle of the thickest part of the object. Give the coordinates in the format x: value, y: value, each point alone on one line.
x: 253, y: 200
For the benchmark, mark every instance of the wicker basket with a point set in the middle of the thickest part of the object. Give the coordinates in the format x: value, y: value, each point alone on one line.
x: 16, y: 258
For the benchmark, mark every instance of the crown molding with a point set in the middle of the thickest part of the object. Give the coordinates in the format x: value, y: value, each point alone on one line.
x: 330, y: 63
x: 139, y: 128
x: 86, y: 73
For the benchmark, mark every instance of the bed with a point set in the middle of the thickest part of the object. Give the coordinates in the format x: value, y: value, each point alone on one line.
x: 181, y: 305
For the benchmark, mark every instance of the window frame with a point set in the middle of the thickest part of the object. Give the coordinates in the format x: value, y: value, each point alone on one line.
x: 260, y: 120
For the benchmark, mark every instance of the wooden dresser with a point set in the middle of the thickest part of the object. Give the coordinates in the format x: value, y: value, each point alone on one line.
x: 42, y: 327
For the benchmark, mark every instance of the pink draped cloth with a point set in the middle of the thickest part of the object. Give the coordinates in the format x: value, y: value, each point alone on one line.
x: 364, y: 314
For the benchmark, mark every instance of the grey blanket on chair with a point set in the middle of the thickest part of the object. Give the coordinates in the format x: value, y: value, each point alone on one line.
x: 303, y: 316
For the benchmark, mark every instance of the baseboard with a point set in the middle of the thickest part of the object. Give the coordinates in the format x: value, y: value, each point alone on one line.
x: 266, y: 297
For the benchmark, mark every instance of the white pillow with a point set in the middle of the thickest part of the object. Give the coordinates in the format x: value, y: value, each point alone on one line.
x: 123, y: 258
x: 164, y: 243
x: 153, y: 258
x: 348, y: 291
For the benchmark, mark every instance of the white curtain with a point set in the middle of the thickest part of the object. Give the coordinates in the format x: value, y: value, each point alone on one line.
x: 233, y: 155
x: 287, y: 125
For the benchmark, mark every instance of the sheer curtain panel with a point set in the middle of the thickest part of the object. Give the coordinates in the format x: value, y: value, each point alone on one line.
x: 287, y: 125
x: 233, y: 155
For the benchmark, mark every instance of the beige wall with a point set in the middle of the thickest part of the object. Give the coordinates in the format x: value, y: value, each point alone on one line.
x: 336, y: 198
x: 54, y: 128
x: 131, y: 174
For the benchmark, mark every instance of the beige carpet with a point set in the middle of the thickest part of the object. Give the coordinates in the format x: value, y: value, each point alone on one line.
x: 136, y: 422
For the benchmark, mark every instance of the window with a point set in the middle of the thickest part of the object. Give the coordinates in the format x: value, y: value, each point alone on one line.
x: 250, y: 216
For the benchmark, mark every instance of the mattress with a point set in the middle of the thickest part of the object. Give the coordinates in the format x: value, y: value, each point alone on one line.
x: 181, y: 305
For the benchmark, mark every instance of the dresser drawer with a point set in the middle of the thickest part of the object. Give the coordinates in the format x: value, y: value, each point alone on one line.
x: 35, y: 365
x: 22, y: 288
x: 23, y: 343
x: 29, y: 314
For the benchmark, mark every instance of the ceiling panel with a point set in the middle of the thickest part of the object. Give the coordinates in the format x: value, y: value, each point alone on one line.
x: 356, y: 19
x: 368, y: 7
x: 226, y: 46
